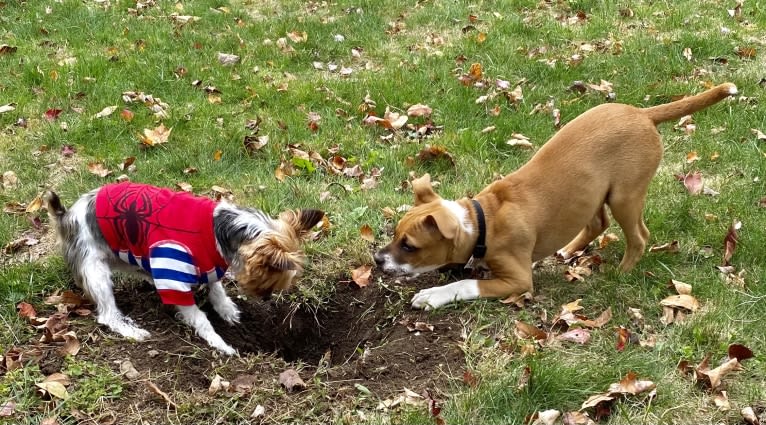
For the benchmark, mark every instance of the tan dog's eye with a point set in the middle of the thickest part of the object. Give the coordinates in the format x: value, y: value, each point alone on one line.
x: 407, y: 247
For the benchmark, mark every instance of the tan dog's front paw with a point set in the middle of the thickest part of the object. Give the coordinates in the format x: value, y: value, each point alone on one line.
x: 433, y: 298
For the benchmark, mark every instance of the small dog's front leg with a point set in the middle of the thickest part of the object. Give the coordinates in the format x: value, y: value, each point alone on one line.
x: 196, y: 318
x: 223, y: 305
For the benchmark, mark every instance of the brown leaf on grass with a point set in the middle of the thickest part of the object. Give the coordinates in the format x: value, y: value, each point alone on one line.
x: 71, y: 344
x: 692, y: 181
x: 128, y: 370
x: 579, y: 336
x: 7, y: 50
x: 313, y: 121
x: 712, y: 378
x: 631, y: 385
x: 623, y: 337
x: 418, y: 326
x: 7, y: 409
x: 681, y: 287
x: 227, y: 59
x: 284, y: 169
x: 606, y: 239
x: 526, y: 373
x: 739, y: 352
x: 366, y: 233
x: 419, y: 110
x: 18, y: 244
x: 577, y: 418
x: 127, y: 163
x: 520, y: 140
x: 684, y: 301
x: 730, y: 242
x: 217, y: 384
x: 671, y: 247
x: 435, y: 152
x: 762, y: 202
x: 26, y: 310
x: 156, y: 136
x: 217, y: 155
x: 362, y: 275
x: 243, y: 384
x: 543, y: 417
x: 98, y: 169
x: 391, y: 120
x: 184, y: 186
x: 748, y: 414
x: 10, y: 180
x: 54, y: 328
x: 746, y: 52
x: 127, y: 115
x: 297, y: 36
x: 153, y: 388
x: 34, y: 205
x: 53, y: 388
x: 109, y: 110
x: 52, y: 114
x: 470, y: 379
x: 519, y: 300
x: 291, y: 381
x: 255, y: 143
x: 526, y: 331
x: 721, y: 401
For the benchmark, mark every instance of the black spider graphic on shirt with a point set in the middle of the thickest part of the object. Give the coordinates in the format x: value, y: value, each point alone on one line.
x: 133, y: 219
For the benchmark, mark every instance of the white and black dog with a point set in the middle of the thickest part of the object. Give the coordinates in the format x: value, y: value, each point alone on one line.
x: 179, y: 241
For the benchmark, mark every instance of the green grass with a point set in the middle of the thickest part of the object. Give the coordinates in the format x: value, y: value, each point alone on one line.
x: 118, y: 51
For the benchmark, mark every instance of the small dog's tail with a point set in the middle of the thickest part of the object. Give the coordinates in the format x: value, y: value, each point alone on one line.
x: 688, y: 105
x: 56, y: 211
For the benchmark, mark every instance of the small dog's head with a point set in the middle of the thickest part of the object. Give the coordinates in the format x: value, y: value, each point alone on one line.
x: 273, y: 261
x: 424, y: 238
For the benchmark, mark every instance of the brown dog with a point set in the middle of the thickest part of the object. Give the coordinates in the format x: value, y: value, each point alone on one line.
x: 606, y: 156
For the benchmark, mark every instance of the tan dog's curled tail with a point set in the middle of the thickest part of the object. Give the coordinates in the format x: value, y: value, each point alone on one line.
x: 691, y: 104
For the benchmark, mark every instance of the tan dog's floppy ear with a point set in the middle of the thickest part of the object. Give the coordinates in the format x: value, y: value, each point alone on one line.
x: 444, y: 222
x: 302, y: 220
x: 424, y: 192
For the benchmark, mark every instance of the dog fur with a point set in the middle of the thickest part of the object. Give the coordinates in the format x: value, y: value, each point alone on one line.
x: 604, y: 157
x: 263, y: 253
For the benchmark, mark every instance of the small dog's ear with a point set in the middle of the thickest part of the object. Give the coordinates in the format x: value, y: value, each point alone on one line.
x: 309, y: 219
x: 443, y: 222
x: 424, y: 192
x: 302, y: 220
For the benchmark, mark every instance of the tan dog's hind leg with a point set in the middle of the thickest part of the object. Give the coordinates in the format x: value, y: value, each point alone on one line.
x: 628, y: 211
x: 597, y: 225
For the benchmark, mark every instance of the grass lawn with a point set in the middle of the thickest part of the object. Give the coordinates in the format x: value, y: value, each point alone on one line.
x: 273, y: 104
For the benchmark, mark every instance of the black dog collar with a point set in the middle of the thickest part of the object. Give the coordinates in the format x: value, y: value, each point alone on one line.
x: 480, y: 250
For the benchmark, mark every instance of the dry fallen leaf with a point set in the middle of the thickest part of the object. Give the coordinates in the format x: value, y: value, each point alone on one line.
x: 366, y: 233
x: 730, y: 242
x: 721, y: 401
x: 161, y: 393
x: 291, y: 381
x: 53, y: 388
x: 672, y: 247
x: 7, y: 409
x: 692, y: 182
x: 10, y: 180
x: 98, y: 169
x: 577, y: 418
x: 227, y: 59
x: 419, y: 110
x: 127, y: 369
x: 26, y: 310
x: 217, y: 384
x: 520, y: 140
x: 681, y: 287
x: 543, y: 417
x: 526, y: 331
x: 687, y: 302
x: 156, y: 136
x: 109, y: 110
x: 748, y: 414
x: 361, y: 275
x: 580, y: 336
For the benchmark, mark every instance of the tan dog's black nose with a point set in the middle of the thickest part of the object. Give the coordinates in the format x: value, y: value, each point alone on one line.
x: 379, y: 260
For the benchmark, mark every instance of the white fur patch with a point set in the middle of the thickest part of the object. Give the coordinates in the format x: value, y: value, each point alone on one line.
x: 733, y: 89
x: 391, y: 267
x: 460, y: 213
x: 223, y: 305
x: 196, y: 318
x: 433, y: 298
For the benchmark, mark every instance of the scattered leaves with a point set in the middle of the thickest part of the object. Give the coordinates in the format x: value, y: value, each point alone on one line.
x: 730, y: 242
x: 156, y: 136
x: 156, y: 390
x: 671, y: 247
x: 362, y: 275
x: 291, y: 381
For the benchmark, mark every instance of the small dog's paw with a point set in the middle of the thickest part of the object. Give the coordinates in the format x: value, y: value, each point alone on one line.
x: 229, y: 312
x: 227, y: 349
x: 135, y: 333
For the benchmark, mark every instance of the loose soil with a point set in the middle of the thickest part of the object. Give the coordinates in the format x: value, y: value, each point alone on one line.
x: 358, y: 341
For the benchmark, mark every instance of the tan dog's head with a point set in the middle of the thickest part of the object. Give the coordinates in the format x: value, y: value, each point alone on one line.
x: 273, y: 261
x: 424, y: 238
